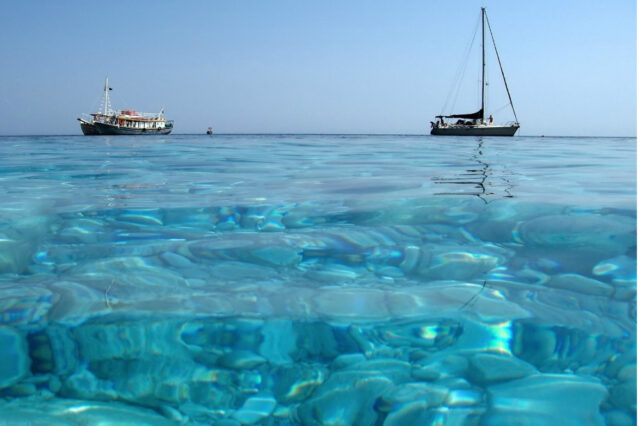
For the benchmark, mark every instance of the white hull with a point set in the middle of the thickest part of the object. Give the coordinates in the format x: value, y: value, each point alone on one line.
x: 474, y: 130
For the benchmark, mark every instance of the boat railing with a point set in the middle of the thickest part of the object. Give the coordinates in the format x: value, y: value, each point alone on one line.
x: 139, y: 115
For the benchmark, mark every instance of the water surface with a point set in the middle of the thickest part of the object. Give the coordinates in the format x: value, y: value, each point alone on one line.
x: 318, y: 279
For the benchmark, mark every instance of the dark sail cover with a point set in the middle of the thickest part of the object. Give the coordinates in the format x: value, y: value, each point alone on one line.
x: 472, y: 116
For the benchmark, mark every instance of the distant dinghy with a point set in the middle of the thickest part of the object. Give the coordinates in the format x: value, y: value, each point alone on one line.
x: 210, y: 131
x: 475, y: 124
x: 124, y: 122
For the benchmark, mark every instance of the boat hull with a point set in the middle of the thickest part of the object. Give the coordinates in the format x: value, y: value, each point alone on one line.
x: 109, y: 129
x: 475, y: 130
x: 87, y: 128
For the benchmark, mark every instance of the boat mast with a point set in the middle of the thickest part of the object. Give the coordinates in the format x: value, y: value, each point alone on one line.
x: 106, y: 95
x: 482, y: 108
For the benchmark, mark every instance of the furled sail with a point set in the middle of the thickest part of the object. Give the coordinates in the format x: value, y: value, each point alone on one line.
x: 472, y: 116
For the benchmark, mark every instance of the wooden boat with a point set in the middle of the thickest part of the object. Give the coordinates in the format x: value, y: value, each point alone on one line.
x: 124, y: 122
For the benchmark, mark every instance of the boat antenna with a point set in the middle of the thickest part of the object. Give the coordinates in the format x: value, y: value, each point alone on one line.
x: 501, y: 70
x: 483, y: 65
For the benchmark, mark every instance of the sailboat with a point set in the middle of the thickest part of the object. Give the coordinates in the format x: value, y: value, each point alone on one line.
x: 475, y: 123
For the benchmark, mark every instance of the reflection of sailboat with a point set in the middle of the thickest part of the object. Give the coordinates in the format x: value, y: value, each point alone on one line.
x: 474, y: 124
x: 480, y: 180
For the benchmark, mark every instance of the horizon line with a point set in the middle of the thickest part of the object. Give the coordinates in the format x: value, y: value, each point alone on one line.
x: 313, y: 134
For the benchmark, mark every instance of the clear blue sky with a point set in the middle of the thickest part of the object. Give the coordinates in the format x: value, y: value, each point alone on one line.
x: 305, y: 66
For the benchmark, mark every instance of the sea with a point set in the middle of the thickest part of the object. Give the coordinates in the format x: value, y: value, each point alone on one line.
x: 377, y: 280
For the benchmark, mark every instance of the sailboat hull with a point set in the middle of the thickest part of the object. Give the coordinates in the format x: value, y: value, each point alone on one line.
x: 474, y: 130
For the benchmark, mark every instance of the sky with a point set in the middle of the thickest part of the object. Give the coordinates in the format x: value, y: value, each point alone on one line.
x: 331, y: 66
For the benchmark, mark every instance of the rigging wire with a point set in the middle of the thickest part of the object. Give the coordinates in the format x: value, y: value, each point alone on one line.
x: 501, y: 70
x: 454, y: 91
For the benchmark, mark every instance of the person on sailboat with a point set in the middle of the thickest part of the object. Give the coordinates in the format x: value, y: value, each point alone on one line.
x: 490, y: 119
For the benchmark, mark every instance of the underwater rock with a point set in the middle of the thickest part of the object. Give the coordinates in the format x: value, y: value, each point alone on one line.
x: 63, y: 411
x: 401, y: 395
x: 145, y: 217
x: 176, y: 260
x: 241, y: 360
x: 234, y: 271
x: 486, y: 368
x: 318, y: 341
x: 605, y: 232
x: 24, y: 306
x: 444, y: 299
x: 133, y: 271
x: 580, y: 284
x: 359, y: 304
x: 76, y: 303
x: 458, y: 264
x: 425, y: 334
x: 346, y: 398
x: 555, y: 348
x: 620, y: 268
x: 40, y: 353
x: 271, y: 223
x: 199, y: 218
x: 393, y: 369
x: 128, y: 340
x: 14, y: 358
x: 82, y: 230
x: 428, y: 373
x: 345, y: 360
x: 296, y: 382
x: 64, y: 350
x: 622, y: 271
x: 21, y: 390
x: 624, y: 395
x: 619, y: 418
x: 547, y: 399
x: 411, y: 413
x: 255, y: 409
x: 83, y: 384
x: 464, y: 397
x: 628, y: 373
x: 446, y: 365
x: 279, y: 341
x: 227, y: 422
x: 333, y: 273
x: 278, y: 256
x: 411, y: 259
x: 16, y: 252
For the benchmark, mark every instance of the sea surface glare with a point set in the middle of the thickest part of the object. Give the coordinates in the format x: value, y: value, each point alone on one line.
x: 317, y: 280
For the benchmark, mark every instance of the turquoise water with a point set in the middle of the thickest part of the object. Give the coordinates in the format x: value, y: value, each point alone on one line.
x: 305, y: 279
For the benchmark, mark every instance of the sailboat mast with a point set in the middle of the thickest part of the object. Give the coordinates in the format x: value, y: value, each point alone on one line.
x: 106, y: 95
x: 483, y: 64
